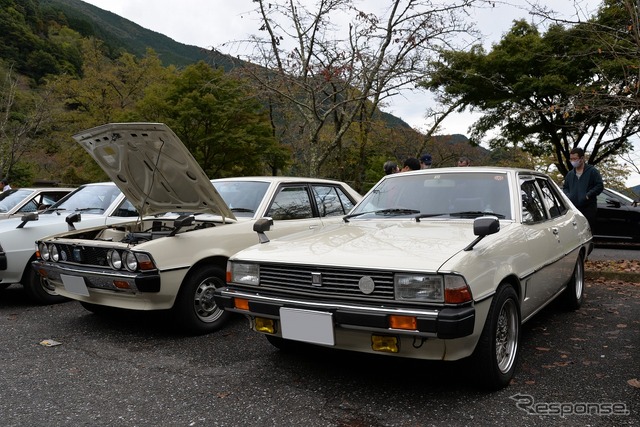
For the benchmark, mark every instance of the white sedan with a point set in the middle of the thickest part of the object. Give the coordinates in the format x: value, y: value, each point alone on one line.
x: 88, y: 206
x: 175, y: 255
x: 20, y: 201
x: 438, y: 264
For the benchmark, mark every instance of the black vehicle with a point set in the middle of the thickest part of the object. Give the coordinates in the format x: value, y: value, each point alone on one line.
x: 618, y: 217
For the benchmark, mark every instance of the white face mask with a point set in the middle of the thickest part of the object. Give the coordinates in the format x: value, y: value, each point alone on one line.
x: 575, y: 163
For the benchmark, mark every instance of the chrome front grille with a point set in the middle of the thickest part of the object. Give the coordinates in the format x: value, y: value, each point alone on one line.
x: 84, y: 255
x: 326, y: 281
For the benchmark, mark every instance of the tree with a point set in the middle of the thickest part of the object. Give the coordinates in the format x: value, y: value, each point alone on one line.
x: 550, y: 93
x: 336, y: 79
x: 219, y: 120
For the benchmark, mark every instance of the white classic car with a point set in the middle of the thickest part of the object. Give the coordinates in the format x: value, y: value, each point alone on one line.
x: 88, y: 206
x: 439, y: 264
x: 20, y: 201
x: 175, y: 257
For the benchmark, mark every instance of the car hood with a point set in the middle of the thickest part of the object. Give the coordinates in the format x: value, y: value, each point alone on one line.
x: 405, y: 245
x: 153, y: 168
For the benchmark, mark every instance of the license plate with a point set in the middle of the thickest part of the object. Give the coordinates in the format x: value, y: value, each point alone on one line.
x: 74, y: 284
x: 305, y: 325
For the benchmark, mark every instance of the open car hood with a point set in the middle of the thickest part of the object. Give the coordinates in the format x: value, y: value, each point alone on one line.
x: 153, y: 168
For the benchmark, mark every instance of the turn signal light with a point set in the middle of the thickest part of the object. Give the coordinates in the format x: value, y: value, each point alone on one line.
x: 265, y: 325
x: 241, y: 304
x: 403, y: 322
x: 385, y: 344
x: 121, y: 284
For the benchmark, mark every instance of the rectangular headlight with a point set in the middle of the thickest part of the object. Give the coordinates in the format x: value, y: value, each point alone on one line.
x: 419, y: 287
x: 246, y: 274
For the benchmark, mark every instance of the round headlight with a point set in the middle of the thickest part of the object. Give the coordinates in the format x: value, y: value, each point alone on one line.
x: 130, y: 261
x: 53, y: 253
x: 115, y: 261
x: 44, y: 251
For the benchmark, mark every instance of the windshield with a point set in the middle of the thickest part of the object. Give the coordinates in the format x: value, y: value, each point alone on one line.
x: 242, y: 197
x: 94, y: 199
x: 462, y: 195
x: 10, y: 198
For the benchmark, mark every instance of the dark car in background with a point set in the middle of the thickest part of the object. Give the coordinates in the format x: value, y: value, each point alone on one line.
x: 618, y: 217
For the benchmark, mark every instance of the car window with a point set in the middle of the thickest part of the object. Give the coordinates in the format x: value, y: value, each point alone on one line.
x: 291, y: 202
x: 93, y: 199
x: 242, y: 197
x: 554, y: 204
x: 532, y: 205
x: 331, y: 200
x: 10, y: 198
x: 125, y: 209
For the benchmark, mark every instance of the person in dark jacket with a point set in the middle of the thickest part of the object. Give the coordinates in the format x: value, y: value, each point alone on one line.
x: 582, y: 185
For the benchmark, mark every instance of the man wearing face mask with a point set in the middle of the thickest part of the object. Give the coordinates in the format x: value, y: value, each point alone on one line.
x: 582, y: 185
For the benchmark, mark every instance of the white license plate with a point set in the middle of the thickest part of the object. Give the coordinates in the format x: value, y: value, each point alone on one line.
x: 306, y: 325
x: 74, y: 284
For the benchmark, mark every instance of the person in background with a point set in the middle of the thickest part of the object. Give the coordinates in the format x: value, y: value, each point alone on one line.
x: 425, y: 161
x: 464, y: 161
x: 582, y: 185
x: 411, y: 164
x: 5, y: 184
x: 390, y: 167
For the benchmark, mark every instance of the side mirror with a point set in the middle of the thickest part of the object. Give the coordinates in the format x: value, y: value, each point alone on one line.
x: 613, y: 203
x: 31, y: 216
x: 73, y: 218
x: 262, y: 225
x: 482, y: 227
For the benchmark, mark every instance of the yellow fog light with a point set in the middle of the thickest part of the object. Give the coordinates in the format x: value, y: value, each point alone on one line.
x: 384, y: 343
x: 403, y: 322
x: 265, y: 325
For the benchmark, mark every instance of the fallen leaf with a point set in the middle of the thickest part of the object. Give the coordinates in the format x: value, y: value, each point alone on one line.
x: 634, y: 382
x: 542, y: 349
x: 621, y: 325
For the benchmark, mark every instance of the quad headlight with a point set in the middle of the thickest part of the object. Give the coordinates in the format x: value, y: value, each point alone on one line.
x: 44, y: 251
x: 130, y: 261
x: 54, y: 253
x: 114, y: 259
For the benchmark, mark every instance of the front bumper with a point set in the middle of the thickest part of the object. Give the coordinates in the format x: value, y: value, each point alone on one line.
x: 97, y: 278
x: 442, y: 323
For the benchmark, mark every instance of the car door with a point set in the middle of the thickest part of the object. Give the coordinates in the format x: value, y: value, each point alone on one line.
x: 543, y: 243
x: 616, y: 218
x: 292, y: 210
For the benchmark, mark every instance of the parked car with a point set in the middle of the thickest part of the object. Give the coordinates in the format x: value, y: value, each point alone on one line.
x: 176, y: 259
x: 87, y: 206
x: 439, y: 264
x: 19, y: 201
x: 618, y: 217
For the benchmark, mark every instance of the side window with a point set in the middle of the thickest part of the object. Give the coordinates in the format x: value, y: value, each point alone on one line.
x: 532, y: 204
x: 552, y: 202
x: 291, y: 202
x: 331, y: 200
x: 126, y: 209
x: 30, y: 206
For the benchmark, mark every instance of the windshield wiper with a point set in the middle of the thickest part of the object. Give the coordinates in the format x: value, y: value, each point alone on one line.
x: 474, y: 214
x: 386, y: 212
x: 88, y: 209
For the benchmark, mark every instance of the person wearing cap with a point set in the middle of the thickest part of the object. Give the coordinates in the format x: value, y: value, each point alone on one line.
x: 390, y: 167
x: 425, y: 161
x: 410, y: 164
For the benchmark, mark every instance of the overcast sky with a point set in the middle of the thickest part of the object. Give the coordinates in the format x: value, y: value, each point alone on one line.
x: 211, y: 23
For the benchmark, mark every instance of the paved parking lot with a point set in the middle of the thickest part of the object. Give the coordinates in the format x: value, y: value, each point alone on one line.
x: 133, y: 370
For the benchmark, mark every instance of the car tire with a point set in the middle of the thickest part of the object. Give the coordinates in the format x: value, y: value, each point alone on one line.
x: 195, y: 309
x: 573, y: 295
x: 497, y: 351
x: 39, y: 289
x: 4, y: 286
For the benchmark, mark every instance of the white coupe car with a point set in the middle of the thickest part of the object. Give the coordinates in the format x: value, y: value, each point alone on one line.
x: 438, y: 264
x: 88, y: 206
x: 175, y: 256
